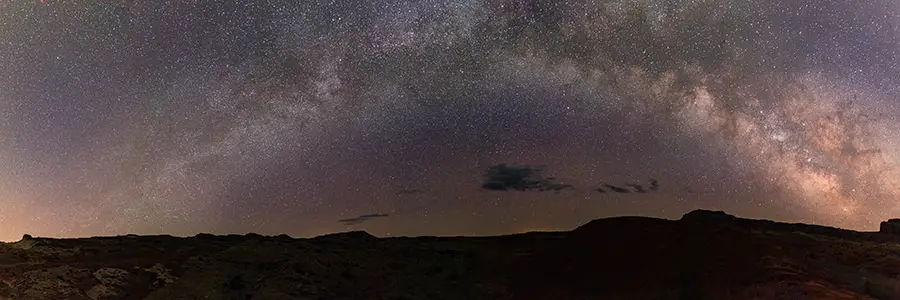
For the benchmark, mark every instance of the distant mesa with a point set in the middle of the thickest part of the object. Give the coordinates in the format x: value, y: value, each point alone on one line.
x: 204, y: 235
x: 705, y: 214
x: 358, y: 235
x: 707, y: 217
x: 253, y: 235
x: 891, y: 226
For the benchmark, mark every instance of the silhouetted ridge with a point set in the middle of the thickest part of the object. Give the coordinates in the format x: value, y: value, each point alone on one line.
x: 349, y: 236
x: 601, y: 226
x: 703, y: 255
x: 720, y: 219
x: 204, y: 235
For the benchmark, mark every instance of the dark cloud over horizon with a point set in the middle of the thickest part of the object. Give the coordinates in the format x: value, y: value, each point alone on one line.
x: 505, y: 177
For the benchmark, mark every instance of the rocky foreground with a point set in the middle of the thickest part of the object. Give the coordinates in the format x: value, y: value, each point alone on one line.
x: 704, y: 255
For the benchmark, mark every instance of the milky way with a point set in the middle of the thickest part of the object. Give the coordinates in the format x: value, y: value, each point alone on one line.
x: 276, y: 116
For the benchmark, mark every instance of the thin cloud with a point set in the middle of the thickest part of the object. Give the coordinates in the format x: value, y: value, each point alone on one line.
x: 617, y: 189
x: 410, y: 191
x: 637, y: 188
x: 361, y: 219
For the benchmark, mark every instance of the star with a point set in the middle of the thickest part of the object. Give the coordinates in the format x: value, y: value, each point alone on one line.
x: 279, y: 117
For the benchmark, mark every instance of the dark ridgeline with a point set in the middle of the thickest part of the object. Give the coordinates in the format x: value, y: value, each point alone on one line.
x: 704, y: 255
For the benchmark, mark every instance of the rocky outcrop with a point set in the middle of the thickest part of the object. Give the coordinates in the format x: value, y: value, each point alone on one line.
x: 52, y: 283
x: 110, y: 283
x: 891, y: 226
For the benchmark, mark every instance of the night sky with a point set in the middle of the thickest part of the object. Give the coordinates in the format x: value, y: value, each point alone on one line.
x: 311, y: 117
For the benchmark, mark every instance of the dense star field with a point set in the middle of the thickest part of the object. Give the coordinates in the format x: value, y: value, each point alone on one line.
x: 283, y: 116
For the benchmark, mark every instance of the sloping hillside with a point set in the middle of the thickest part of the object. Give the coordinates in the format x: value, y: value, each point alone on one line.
x: 704, y: 255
